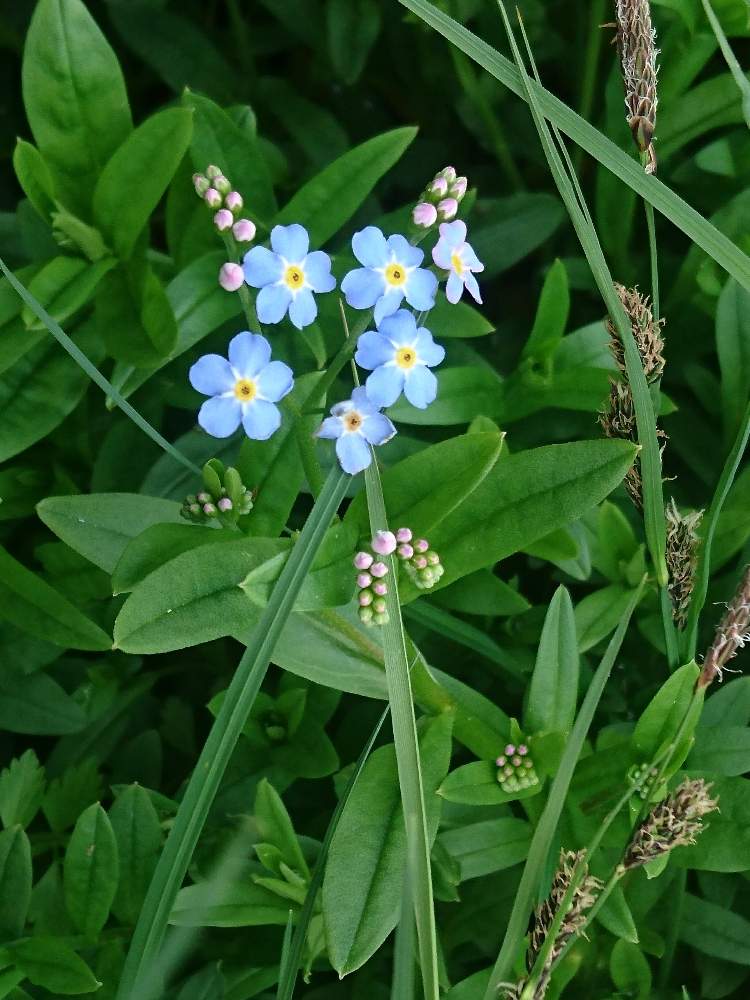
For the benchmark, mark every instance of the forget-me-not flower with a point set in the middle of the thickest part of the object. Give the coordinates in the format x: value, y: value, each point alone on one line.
x: 356, y: 424
x: 399, y: 355
x: 287, y: 275
x: 455, y: 255
x: 391, y: 272
x: 243, y: 390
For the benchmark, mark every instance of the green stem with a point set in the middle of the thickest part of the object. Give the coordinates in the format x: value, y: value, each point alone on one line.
x: 217, y: 750
x: 670, y: 632
x: 402, y: 980
x: 653, y: 257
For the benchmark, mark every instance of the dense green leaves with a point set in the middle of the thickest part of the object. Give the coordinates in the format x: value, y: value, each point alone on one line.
x: 15, y: 881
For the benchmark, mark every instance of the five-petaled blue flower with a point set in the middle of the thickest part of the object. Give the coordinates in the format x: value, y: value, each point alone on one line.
x: 355, y: 425
x: 399, y: 355
x: 242, y: 389
x: 391, y: 273
x: 287, y: 275
x: 455, y: 255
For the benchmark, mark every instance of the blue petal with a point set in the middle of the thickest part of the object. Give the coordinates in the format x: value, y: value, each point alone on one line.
x: 275, y: 381
x: 211, y: 375
x: 248, y: 353
x: 378, y: 429
x: 332, y: 427
x: 362, y: 402
x: 470, y: 259
x: 317, y: 268
x: 373, y: 350
x: 362, y: 287
x: 353, y: 453
x: 260, y: 419
x: 473, y: 286
x: 454, y: 287
x: 292, y: 242
x: 421, y: 286
x: 303, y: 309
x: 400, y: 328
x: 273, y: 302
x: 441, y: 254
x: 428, y: 351
x: 261, y: 267
x: 454, y: 233
x: 370, y: 247
x: 387, y: 304
x: 385, y: 385
x: 220, y: 416
x: 421, y: 387
x: 402, y: 251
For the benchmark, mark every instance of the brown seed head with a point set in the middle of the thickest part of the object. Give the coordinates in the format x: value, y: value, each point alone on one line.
x: 731, y: 635
x: 646, y: 332
x: 674, y: 822
x: 636, y: 42
x: 682, y: 558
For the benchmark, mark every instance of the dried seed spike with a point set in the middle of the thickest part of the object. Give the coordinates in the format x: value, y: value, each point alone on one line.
x: 731, y: 634
x: 682, y: 558
x: 674, y: 822
x: 646, y: 332
x: 636, y: 43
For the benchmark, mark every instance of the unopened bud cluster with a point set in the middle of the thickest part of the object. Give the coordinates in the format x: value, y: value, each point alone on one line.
x: 226, y: 204
x: 224, y: 497
x: 732, y: 634
x: 420, y: 563
x: 682, y: 558
x: 674, y: 822
x: 643, y: 776
x: 440, y: 199
x: 515, y: 768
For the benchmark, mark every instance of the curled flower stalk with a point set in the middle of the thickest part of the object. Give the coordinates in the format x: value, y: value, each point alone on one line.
x: 636, y: 43
x: 732, y: 633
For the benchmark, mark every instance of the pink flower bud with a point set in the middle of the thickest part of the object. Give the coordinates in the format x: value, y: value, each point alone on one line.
x: 405, y: 551
x: 449, y: 173
x: 233, y: 201
x: 244, y: 230
x: 380, y: 588
x: 421, y: 545
x: 212, y: 198
x: 231, y: 277
x: 500, y: 761
x: 364, y: 580
x: 523, y: 749
x: 365, y: 598
x: 222, y: 184
x: 419, y: 562
x: 447, y: 208
x: 204, y: 497
x: 458, y: 188
x: 424, y: 214
x: 510, y: 749
x: 224, y: 504
x: 384, y: 543
x: 212, y: 171
x: 403, y: 535
x: 516, y: 762
x: 379, y: 569
x: 201, y: 184
x: 439, y: 186
x: 208, y: 508
x: 223, y: 220
x: 363, y: 560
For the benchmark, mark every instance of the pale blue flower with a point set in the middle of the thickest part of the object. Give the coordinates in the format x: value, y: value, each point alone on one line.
x: 356, y: 424
x: 287, y: 275
x: 455, y: 255
x: 243, y: 390
x: 399, y: 355
x: 391, y: 273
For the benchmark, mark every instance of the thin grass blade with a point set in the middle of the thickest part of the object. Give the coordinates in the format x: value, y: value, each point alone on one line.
x: 730, y: 58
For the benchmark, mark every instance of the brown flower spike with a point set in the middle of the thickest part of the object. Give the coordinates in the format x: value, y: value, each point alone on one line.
x: 732, y: 634
x: 674, y: 822
x: 682, y: 558
x: 636, y: 43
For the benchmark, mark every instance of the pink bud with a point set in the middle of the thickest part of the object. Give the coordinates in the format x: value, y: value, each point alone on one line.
x: 384, y: 543
x: 244, y: 230
x: 510, y: 749
x: 204, y: 497
x: 363, y: 560
x: 523, y: 749
x: 231, y: 277
x: 439, y: 186
x: 212, y: 198
x: 447, y: 208
x: 424, y: 214
x: 458, y: 188
x: 208, y: 508
x: 365, y: 598
x: 449, y: 173
x: 403, y: 535
x: 405, y: 551
x: 364, y: 580
x: 212, y: 171
x: 516, y: 762
x: 380, y: 588
x: 421, y: 545
x: 500, y: 761
x: 379, y: 569
x: 233, y: 201
x: 224, y: 504
x: 223, y: 220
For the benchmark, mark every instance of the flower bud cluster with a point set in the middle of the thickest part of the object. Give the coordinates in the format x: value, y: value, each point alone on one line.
x: 422, y: 565
x: 226, y: 203
x: 224, y: 497
x: 440, y: 199
x: 515, y: 768
x: 644, y: 776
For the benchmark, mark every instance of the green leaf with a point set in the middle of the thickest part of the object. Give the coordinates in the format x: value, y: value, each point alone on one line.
x: 482, y: 593
x: 722, y: 749
x: 158, y: 545
x: 630, y: 970
x: 597, y: 615
x: 353, y: 26
x: 53, y: 965
x: 476, y: 784
x: 508, y: 229
x: 553, y: 692
x: 15, y: 881
x: 487, y: 847
x: 134, y: 313
x: 724, y: 842
x: 34, y: 177
x: 21, y: 790
x: 91, y: 871
x: 216, y: 904
x: 448, y: 320
x: 367, y: 859
x: 63, y: 286
x: 68, y: 795
x: 100, y: 525
x: 37, y: 705
x: 35, y: 607
x: 662, y: 717
x: 714, y: 930
x: 733, y: 348
x: 75, y: 98
x: 615, y: 915
x: 137, y: 175
x: 138, y: 839
x: 332, y: 197
x: 463, y: 394
x: 551, y: 315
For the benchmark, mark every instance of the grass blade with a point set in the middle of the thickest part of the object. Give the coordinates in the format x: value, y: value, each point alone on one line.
x: 225, y: 732
x: 93, y: 372
x: 664, y: 200
x: 731, y: 60
x: 533, y: 872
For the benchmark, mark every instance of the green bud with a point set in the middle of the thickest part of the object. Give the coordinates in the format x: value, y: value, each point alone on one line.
x: 234, y: 487
x: 213, y: 472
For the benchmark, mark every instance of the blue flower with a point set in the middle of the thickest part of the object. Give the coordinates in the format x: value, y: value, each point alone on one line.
x: 454, y: 254
x: 400, y: 356
x: 243, y: 389
x: 355, y: 425
x: 391, y: 273
x: 287, y: 275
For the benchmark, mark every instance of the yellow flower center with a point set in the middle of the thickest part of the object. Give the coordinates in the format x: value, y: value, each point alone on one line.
x: 456, y: 263
x: 395, y: 274
x: 352, y: 420
x: 245, y: 390
x: 406, y: 357
x: 294, y: 277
